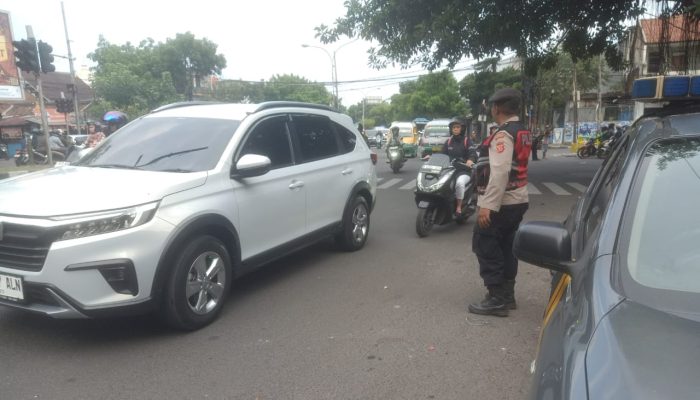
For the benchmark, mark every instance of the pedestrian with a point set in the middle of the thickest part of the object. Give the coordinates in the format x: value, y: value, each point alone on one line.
x: 545, y: 141
x: 534, y: 146
x: 501, y: 175
x: 95, y: 135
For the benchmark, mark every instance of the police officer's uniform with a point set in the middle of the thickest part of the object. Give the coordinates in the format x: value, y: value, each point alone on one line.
x: 502, y: 183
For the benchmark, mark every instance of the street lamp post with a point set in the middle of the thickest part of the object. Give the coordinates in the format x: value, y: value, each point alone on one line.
x: 334, y: 68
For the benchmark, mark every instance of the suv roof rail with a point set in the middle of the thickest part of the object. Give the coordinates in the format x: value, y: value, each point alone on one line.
x: 183, y: 104
x: 279, y: 104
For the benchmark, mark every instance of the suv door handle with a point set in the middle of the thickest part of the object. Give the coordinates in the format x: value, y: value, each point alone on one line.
x: 296, y: 185
x: 347, y: 171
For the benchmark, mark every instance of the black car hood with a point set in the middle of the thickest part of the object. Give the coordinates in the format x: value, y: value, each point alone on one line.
x: 641, y: 353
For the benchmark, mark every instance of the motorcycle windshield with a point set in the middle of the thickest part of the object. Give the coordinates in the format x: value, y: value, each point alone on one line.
x: 439, y: 160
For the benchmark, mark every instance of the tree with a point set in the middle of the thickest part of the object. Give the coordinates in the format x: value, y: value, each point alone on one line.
x: 296, y: 88
x: 189, y: 60
x: 433, y: 95
x: 482, y: 84
x: 434, y: 32
x: 127, y: 78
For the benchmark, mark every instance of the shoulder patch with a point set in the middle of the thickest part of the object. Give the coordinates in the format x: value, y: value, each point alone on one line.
x: 500, y: 146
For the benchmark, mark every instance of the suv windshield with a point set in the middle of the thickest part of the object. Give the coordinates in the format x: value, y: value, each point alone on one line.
x: 166, y: 144
x: 663, y: 256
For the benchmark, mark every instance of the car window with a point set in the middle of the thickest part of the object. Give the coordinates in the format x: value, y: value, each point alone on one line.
x: 662, y: 256
x: 437, y: 131
x: 348, y: 140
x: 270, y: 138
x: 663, y: 245
x: 166, y: 144
x: 315, y: 137
x: 605, y: 185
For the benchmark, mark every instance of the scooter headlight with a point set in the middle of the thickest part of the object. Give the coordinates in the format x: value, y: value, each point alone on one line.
x: 432, y: 186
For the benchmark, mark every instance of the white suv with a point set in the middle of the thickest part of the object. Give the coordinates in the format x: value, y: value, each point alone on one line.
x: 165, y: 212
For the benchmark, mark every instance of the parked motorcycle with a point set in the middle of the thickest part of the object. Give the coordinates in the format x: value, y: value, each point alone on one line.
x: 435, y: 194
x: 395, y: 156
x: 39, y: 157
x: 587, y: 150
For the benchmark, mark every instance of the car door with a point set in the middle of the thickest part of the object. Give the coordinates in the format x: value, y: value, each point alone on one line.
x: 272, y: 207
x: 327, y: 170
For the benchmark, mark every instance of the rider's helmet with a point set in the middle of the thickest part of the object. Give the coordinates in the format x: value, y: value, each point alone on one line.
x: 456, y: 121
x: 115, y: 120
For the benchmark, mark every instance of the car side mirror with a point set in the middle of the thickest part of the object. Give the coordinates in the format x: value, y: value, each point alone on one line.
x: 544, y: 244
x: 251, y: 165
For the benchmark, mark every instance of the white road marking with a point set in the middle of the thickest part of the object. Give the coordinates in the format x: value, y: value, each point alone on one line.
x: 409, y: 185
x: 531, y: 189
x: 389, y: 183
x: 577, y: 186
x: 558, y: 190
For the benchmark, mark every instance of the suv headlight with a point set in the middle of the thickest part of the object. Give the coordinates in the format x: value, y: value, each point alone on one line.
x: 78, y: 226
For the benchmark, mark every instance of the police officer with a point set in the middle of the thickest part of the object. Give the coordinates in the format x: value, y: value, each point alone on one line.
x: 503, y: 199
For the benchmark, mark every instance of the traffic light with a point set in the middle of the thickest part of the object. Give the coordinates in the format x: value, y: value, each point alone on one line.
x: 46, y: 57
x: 64, y: 105
x: 25, y: 55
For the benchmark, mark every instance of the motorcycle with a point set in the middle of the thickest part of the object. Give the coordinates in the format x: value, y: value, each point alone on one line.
x: 39, y: 157
x: 587, y: 150
x: 435, y: 194
x: 395, y: 155
x: 605, y: 149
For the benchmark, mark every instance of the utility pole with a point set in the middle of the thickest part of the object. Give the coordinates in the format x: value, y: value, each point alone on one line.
x: 76, y: 110
x: 42, y: 107
x: 599, y: 114
x: 575, y: 98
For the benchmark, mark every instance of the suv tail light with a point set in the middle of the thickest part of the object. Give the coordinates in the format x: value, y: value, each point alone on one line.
x: 373, y: 157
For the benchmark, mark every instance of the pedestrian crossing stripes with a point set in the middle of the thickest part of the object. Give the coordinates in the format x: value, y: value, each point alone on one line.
x: 534, y: 189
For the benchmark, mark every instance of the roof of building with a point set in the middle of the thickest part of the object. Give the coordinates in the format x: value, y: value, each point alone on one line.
x: 54, y: 83
x: 680, y: 29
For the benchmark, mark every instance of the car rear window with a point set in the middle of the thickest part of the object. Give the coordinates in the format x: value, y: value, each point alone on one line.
x: 166, y: 144
x: 663, y: 252
x: 437, y: 131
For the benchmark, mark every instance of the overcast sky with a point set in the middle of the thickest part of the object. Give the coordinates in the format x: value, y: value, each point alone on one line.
x: 259, y: 38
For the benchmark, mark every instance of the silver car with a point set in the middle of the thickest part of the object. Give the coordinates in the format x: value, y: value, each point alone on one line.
x: 166, y: 211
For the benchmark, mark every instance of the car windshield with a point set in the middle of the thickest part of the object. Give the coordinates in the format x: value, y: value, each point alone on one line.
x: 405, y: 132
x: 664, y: 251
x: 437, y: 131
x: 165, y: 144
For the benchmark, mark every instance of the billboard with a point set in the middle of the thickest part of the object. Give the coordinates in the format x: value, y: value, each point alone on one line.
x: 10, y: 88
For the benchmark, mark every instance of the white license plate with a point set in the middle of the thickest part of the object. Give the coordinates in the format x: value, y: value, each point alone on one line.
x: 11, y: 287
x: 61, y: 163
x: 423, y: 204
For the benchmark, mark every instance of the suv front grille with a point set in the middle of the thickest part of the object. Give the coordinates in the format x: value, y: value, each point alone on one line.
x: 24, y: 247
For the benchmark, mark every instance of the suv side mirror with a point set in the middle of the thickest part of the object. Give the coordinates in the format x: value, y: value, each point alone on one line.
x: 251, y: 165
x: 545, y: 244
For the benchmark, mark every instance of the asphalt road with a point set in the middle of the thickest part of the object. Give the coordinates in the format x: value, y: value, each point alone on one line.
x: 387, y: 322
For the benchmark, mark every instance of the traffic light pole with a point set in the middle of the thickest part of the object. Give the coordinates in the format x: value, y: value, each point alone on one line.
x: 76, y: 110
x: 42, y: 107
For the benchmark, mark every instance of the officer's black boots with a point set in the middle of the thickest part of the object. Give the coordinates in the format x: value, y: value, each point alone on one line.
x: 509, y: 294
x: 494, y: 303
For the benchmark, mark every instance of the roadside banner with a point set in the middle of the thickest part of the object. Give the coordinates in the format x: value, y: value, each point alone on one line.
x: 10, y: 88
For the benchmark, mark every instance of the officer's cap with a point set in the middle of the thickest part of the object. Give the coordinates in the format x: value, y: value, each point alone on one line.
x: 504, y: 95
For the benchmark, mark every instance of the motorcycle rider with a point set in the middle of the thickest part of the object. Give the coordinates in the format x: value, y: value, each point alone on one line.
x: 393, y: 137
x: 458, y: 147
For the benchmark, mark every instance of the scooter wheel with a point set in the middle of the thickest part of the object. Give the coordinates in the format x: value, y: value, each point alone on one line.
x: 601, y: 153
x: 425, y: 221
x: 582, y: 152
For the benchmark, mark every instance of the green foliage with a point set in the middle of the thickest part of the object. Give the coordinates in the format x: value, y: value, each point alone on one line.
x: 137, y: 79
x: 296, y: 88
x: 433, y: 95
x: 482, y: 84
x: 433, y: 33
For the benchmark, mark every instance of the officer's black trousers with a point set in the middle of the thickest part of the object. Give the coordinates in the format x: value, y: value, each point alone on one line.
x: 493, y: 246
